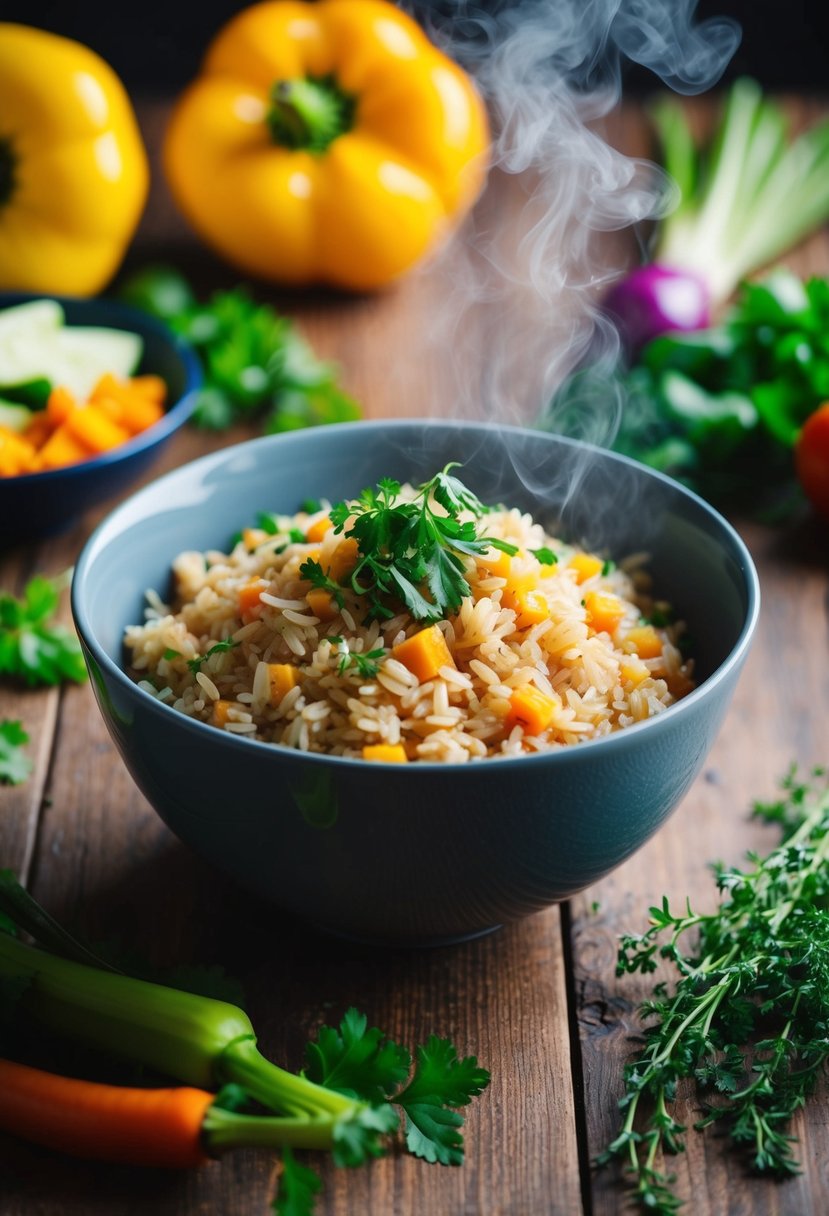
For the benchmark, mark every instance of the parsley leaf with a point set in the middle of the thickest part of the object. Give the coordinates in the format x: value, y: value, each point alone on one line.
x: 33, y: 647
x: 545, y: 556
x: 316, y: 576
x: 218, y: 648
x: 364, y: 1063
x: 15, y: 765
x: 441, y: 1081
x: 297, y: 1187
x: 409, y: 551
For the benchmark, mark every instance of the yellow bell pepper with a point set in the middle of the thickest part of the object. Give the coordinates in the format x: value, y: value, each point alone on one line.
x: 326, y: 142
x: 73, y: 171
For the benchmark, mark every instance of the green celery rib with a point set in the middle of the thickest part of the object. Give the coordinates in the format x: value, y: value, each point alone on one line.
x: 198, y: 1040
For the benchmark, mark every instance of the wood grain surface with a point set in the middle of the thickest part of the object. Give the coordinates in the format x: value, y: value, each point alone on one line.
x: 537, y: 1002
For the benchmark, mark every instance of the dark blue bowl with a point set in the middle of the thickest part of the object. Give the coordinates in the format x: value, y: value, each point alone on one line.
x: 420, y: 852
x: 41, y: 504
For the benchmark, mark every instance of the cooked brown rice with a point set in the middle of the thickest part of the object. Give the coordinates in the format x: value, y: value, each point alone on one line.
x: 592, y: 680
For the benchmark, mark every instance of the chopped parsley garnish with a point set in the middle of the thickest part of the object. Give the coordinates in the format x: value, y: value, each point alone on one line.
x: 545, y: 556
x: 409, y: 552
x: 218, y: 648
x: 366, y: 662
x: 15, y: 765
x: 33, y: 647
x: 317, y: 577
x: 608, y: 568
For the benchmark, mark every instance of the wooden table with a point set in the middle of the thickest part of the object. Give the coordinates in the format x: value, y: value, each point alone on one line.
x: 537, y: 1002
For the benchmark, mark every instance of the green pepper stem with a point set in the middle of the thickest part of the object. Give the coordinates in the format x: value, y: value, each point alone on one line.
x: 309, y: 113
x: 242, y: 1063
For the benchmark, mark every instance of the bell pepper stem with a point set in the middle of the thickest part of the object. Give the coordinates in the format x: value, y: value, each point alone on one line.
x: 309, y: 113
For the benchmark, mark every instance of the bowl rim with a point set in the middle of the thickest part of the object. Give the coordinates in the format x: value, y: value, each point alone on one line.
x: 126, y: 317
x: 560, y: 756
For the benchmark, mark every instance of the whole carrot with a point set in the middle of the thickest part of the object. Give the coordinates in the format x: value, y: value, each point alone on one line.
x: 154, y: 1127
x: 178, y: 1127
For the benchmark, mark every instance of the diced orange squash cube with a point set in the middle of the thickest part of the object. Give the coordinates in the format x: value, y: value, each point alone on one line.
x: 390, y: 753
x: 633, y: 673
x: 152, y: 388
x: 39, y: 429
x: 531, y: 608
x: 139, y: 413
x: 91, y: 426
x: 221, y: 712
x: 250, y: 604
x: 532, y: 709
x: 344, y: 559
x: 496, y: 564
x: 424, y: 653
x: 604, y: 611
x: 282, y: 677
x: 586, y: 566
x: 60, y: 405
x: 317, y: 530
x: 322, y: 604
x: 645, y: 641
x: 62, y: 447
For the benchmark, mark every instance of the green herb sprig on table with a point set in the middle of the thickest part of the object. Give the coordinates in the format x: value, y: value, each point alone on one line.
x: 15, y: 765
x: 745, y: 1021
x: 35, y: 648
x: 407, y: 550
x: 256, y: 363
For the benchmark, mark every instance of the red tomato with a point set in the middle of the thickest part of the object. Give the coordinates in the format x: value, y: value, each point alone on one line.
x: 811, y: 458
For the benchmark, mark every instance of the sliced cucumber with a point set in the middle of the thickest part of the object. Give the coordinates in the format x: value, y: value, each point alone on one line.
x: 36, y: 345
x: 14, y: 417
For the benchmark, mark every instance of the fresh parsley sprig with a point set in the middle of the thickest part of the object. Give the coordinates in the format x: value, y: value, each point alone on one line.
x: 33, y: 646
x: 366, y: 662
x: 15, y: 765
x: 408, y: 551
x: 746, y: 1019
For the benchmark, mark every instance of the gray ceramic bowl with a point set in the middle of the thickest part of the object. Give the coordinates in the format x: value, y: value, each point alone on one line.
x: 422, y: 852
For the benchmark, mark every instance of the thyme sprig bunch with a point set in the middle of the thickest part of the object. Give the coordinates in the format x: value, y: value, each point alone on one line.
x: 747, y: 1020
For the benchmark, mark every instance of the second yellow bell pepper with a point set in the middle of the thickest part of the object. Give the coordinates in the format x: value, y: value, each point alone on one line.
x: 73, y: 171
x: 326, y: 142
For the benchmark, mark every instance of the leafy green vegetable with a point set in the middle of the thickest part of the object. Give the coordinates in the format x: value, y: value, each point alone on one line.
x: 216, y: 648
x: 33, y: 647
x: 15, y: 765
x: 256, y: 363
x: 746, y: 1017
x: 721, y: 409
x: 317, y: 577
x: 409, y: 551
x: 297, y: 1187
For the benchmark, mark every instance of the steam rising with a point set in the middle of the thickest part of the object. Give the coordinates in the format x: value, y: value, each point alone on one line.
x: 529, y: 274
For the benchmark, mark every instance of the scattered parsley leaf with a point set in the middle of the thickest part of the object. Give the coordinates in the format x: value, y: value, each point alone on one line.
x: 607, y: 568
x: 355, y: 1060
x: 316, y: 576
x: 218, y: 648
x: 15, y: 765
x: 169, y: 653
x: 545, y: 556
x: 298, y: 1187
x: 33, y: 647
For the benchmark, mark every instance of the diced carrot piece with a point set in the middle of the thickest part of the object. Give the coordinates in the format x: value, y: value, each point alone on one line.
x: 91, y: 426
x: 139, y: 413
x: 532, y: 709
x: 585, y: 566
x: 282, y: 677
x: 604, y: 611
x: 424, y: 653
x: 321, y: 603
x: 250, y: 604
x: 317, y: 530
x: 645, y: 641
x: 108, y: 386
x: 61, y: 448
x: 531, y: 608
x: 39, y: 429
x: 17, y: 454
x: 60, y: 405
x: 344, y: 559
x: 221, y: 712
x: 153, y: 388
x: 391, y: 753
